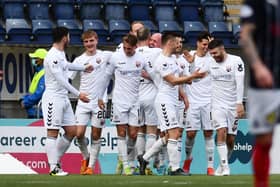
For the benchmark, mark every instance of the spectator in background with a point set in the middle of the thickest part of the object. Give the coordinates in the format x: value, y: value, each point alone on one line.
x: 37, y: 87
x: 260, y: 39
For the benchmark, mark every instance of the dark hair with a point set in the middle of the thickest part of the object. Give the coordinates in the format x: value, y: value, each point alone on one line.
x: 215, y: 43
x: 59, y: 33
x: 143, y: 34
x: 168, y: 35
x: 203, y: 35
x: 130, y: 39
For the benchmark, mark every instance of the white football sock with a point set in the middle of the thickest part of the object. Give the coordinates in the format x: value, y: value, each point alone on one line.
x: 94, y: 152
x: 209, y: 148
x: 51, y: 152
x: 172, y: 149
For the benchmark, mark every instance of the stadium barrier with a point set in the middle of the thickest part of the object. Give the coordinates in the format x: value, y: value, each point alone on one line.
x: 24, y: 140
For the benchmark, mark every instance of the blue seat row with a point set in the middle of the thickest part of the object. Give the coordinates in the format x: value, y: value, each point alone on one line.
x: 155, y: 10
x: 19, y: 31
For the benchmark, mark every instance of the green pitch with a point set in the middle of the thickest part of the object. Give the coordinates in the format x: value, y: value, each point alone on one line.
x: 127, y: 181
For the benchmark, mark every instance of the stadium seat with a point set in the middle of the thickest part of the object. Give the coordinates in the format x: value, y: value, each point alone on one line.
x: 117, y: 29
x: 164, y: 26
x: 99, y: 28
x: 150, y: 25
x: 191, y: 31
x: 13, y: 9
x: 39, y: 9
x: 42, y: 31
x: 63, y: 9
x: 189, y: 10
x: 18, y: 31
x: 115, y: 9
x: 91, y: 9
x: 139, y: 10
x: 75, y: 30
x: 164, y: 10
x: 213, y: 11
x: 236, y: 32
x: 221, y: 31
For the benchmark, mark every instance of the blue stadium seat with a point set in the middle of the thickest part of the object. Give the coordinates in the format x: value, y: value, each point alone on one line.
x: 150, y: 25
x: 18, y: 31
x: 189, y: 10
x: 75, y: 30
x: 117, y: 29
x: 91, y: 9
x: 99, y: 27
x: 164, y: 26
x: 221, y: 31
x: 191, y: 31
x: 13, y: 9
x: 39, y: 9
x: 42, y: 31
x: 139, y: 10
x: 164, y: 10
x: 236, y: 32
x: 115, y: 9
x: 63, y: 9
x: 213, y: 11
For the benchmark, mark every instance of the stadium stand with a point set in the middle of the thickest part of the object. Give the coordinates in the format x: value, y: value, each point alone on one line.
x: 236, y: 32
x: 91, y: 9
x: 99, y: 27
x: 43, y: 15
x: 189, y: 10
x: 192, y: 30
x: 42, y: 31
x: 220, y: 29
x: 164, y: 10
x: 117, y: 29
x: 18, y: 31
x: 115, y: 9
x: 139, y: 10
x: 2, y: 33
x: 169, y: 26
x: 74, y: 28
x: 39, y: 9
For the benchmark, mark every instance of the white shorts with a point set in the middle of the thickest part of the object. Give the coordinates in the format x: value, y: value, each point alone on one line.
x: 83, y: 114
x: 57, y: 112
x: 222, y: 117
x: 125, y: 114
x: 167, y: 115
x: 182, y: 116
x: 263, y: 110
x: 199, y: 117
x: 148, y: 115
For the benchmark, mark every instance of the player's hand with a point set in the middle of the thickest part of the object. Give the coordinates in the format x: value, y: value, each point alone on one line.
x: 101, y: 104
x: 84, y: 97
x: 1, y: 75
x: 145, y: 75
x: 240, y: 110
x: 190, y: 58
x: 262, y: 74
x: 88, y: 68
x: 198, y: 74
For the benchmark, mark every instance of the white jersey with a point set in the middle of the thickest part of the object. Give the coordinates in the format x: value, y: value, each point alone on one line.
x: 147, y: 89
x: 200, y: 89
x: 56, y: 74
x: 127, y: 71
x: 164, y: 66
x: 226, y: 77
x: 90, y: 82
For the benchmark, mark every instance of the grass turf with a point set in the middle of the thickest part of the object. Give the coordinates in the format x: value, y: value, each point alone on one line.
x: 129, y: 181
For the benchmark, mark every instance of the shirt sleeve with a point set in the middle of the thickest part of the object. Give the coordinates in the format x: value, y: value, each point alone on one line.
x: 239, y: 78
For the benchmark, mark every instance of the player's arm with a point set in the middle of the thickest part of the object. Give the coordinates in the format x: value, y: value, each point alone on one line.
x: 261, y: 72
x: 239, y: 76
x: 57, y: 72
x: 173, y: 80
x: 183, y: 97
x: 80, y: 67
